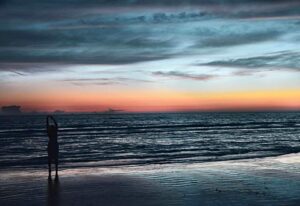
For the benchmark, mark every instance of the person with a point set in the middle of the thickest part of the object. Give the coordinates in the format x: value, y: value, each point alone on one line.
x: 52, y: 145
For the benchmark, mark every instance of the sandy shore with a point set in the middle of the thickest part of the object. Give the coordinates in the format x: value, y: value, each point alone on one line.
x: 265, y: 181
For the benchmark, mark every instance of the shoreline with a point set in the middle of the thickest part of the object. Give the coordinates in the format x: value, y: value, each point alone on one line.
x: 261, y: 181
x: 292, y: 158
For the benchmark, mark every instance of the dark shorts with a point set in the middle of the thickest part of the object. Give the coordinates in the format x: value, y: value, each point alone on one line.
x: 52, y: 151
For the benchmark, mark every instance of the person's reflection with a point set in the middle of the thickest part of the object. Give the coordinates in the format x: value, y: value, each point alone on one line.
x: 53, y: 192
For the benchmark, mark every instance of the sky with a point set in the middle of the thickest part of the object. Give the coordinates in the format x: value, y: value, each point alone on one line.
x: 147, y: 56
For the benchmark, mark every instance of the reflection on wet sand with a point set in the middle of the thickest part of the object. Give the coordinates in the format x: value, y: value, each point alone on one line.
x: 53, y: 192
x: 265, y: 181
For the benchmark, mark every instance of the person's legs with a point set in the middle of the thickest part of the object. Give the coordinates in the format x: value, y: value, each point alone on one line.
x: 56, y: 168
x: 49, y: 168
x: 56, y: 161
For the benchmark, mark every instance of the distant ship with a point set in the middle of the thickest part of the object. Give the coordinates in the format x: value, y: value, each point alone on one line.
x: 110, y: 110
x: 11, y: 109
x: 59, y: 112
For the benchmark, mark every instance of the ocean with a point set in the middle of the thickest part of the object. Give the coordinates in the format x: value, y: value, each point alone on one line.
x: 137, y: 140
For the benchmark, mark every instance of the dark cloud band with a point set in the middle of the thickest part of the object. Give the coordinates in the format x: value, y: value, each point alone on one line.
x: 96, y: 32
x: 283, y: 60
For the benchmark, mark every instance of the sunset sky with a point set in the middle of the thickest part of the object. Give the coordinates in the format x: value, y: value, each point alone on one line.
x: 142, y: 56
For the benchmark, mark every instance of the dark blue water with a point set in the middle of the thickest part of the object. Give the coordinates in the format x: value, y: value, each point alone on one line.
x: 106, y: 140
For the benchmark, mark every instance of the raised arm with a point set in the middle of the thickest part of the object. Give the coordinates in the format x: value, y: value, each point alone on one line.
x: 54, y: 121
x: 47, y: 119
x: 47, y: 127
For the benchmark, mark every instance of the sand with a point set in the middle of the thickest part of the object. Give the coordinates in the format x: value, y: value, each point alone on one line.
x: 264, y: 181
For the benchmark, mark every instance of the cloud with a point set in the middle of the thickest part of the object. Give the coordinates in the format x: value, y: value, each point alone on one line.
x: 25, y: 68
x: 231, y: 8
x: 243, y: 72
x: 290, y: 60
x: 182, y: 75
x: 147, y: 2
x: 114, y: 46
x: 128, y: 32
x: 104, y: 81
x: 234, y: 39
x: 85, y: 55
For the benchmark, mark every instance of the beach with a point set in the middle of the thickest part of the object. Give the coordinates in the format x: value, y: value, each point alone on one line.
x: 153, y: 159
x: 260, y: 181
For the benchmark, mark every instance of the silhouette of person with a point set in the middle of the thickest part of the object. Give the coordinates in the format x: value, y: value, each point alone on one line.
x: 52, y: 145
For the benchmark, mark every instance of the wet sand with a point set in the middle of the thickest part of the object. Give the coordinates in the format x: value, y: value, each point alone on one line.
x: 265, y: 181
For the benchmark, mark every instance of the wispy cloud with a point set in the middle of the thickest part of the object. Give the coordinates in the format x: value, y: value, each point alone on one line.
x: 104, y: 81
x: 26, y: 68
x: 182, y: 75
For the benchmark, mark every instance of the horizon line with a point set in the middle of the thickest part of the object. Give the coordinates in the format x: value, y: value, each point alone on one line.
x: 148, y: 112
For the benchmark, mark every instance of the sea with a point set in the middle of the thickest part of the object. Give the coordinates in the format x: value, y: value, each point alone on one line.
x: 109, y: 140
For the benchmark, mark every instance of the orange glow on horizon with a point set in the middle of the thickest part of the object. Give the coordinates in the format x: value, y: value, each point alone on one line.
x: 157, y: 101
